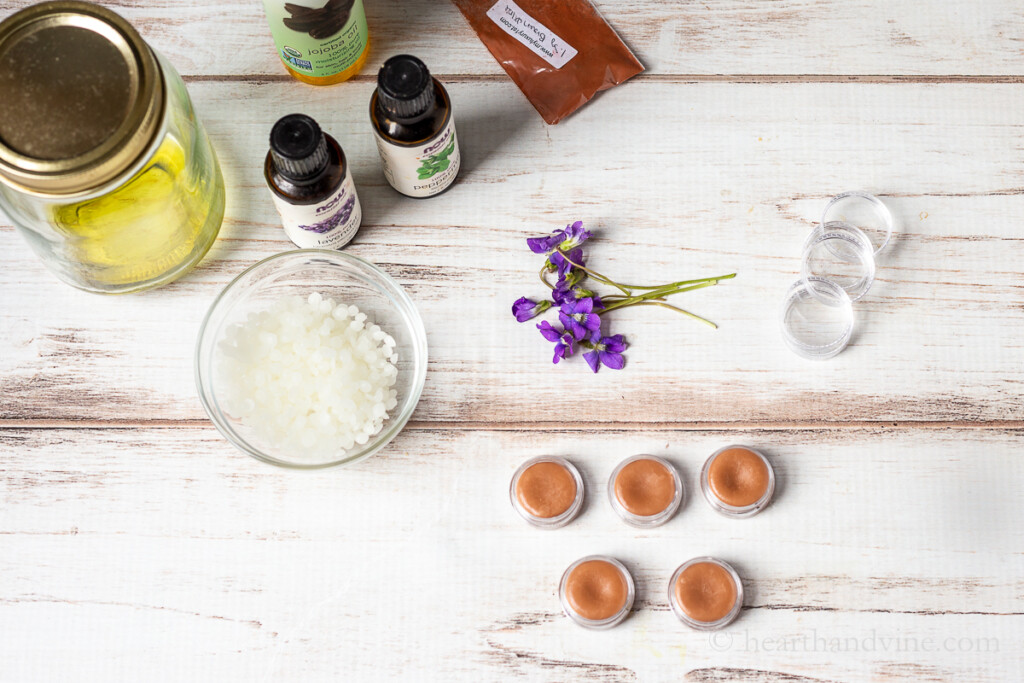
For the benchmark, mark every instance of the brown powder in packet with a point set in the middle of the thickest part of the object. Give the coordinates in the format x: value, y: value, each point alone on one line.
x: 559, y: 52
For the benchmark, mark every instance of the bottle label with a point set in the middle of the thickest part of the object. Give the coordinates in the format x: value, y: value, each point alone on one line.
x: 511, y: 18
x: 319, y: 41
x: 421, y: 170
x: 330, y: 224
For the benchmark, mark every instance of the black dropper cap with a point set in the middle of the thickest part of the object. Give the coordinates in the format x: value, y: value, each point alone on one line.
x: 298, y: 147
x: 405, y: 90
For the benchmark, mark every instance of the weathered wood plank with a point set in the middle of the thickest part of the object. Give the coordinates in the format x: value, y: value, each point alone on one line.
x: 834, y: 37
x: 678, y: 181
x: 885, y: 556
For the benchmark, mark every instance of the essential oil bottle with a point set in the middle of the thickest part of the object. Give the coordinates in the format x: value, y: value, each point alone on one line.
x: 320, y: 45
x: 311, y: 185
x: 414, y: 128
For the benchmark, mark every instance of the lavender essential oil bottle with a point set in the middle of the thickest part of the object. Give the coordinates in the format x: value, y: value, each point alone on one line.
x: 310, y: 182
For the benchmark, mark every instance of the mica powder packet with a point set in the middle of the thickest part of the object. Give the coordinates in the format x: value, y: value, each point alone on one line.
x: 560, y: 54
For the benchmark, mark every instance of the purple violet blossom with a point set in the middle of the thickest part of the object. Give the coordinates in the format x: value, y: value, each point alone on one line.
x: 562, y: 264
x: 578, y: 317
x: 569, y: 240
x: 524, y: 309
x: 565, y: 294
x: 564, y: 343
x: 607, y: 351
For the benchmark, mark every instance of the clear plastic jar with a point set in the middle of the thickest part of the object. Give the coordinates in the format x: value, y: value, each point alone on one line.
x: 706, y: 594
x: 122, y: 191
x: 597, y: 592
x: 645, y: 491
x: 817, y: 318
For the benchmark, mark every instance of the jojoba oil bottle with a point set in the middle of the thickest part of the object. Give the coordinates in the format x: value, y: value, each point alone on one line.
x: 320, y: 45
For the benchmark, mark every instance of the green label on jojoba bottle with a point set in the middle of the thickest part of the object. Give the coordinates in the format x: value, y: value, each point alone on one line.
x: 318, y: 39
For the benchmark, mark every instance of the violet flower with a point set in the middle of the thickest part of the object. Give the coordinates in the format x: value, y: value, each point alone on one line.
x: 562, y: 264
x: 569, y: 240
x: 580, y: 309
x: 564, y: 343
x: 524, y: 309
x: 607, y: 351
x: 562, y: 295
x: 578, y: 317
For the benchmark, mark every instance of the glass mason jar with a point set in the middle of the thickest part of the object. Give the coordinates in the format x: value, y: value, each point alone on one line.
x: 103, y: 166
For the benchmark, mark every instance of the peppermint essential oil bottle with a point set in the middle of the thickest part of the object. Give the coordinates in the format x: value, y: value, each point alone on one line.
x: 311, y: 185
x: 414, y: 128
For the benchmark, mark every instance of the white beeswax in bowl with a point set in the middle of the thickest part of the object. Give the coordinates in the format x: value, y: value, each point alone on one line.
x: 309, y: 376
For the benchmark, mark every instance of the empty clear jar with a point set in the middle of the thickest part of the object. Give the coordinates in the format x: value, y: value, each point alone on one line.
x: 841, y: 253
x: 104, y: 168
x: 864, y: 211
x: 816, y: 324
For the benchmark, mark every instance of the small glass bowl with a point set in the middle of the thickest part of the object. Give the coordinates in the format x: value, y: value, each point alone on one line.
x: 816, y: 325
x: 865, y: 211
x: 611, y: 621
x: 731, y: 510
x: 558, y: 521
x: 333, y: 274
x: 842, y: 253
x: 706, y: 625
x: 646, y: 521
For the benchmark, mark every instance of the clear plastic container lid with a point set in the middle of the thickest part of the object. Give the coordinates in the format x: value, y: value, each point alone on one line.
x: 841, y: 253
x: 816, y: 318
x: 864, y: 211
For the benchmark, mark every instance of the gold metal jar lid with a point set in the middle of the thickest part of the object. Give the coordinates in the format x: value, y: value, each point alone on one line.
x: 81, y: 98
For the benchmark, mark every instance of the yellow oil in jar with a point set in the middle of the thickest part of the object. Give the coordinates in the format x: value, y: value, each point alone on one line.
x: 152, y: 228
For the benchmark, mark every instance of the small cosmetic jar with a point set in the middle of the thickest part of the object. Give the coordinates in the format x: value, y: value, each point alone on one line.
x: 841, y: 253
x: 816, y: 325
x: 737, y: 481
x: 837, y: 268
x: 706, y: 594
x: 864, y: 211
x: 547, y: 492
x: 645, y: 491
x: 597, y: 592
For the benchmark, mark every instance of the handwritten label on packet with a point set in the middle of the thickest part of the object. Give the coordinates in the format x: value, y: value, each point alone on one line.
x: 531, y: 33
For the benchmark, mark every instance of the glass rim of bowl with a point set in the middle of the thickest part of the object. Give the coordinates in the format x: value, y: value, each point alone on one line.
x: 392, y: 428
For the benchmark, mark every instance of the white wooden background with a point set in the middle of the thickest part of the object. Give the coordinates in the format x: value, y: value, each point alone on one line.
x: 136, y: 544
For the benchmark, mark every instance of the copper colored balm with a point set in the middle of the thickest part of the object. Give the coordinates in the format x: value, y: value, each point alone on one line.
x: 547, y: 491
x: 706, y: 593
x: 597, y: 592
x: 738, y: 481
x: 645, y: 490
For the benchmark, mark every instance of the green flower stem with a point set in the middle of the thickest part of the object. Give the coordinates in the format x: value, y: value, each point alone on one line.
x: 619, y: 297
x: 627, y: 289
x: 543, y: 272
x: 685, y: 282
x: 594, y: 274
x: 678, y: 310
x: 653, y: 297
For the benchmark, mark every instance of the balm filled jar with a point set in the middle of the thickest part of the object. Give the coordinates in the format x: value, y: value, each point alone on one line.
x: 706, y: 594
x: 645, y: 491
x: 547, y: 492
x: 737, y: 481
x: 597, y: 592
x: 104, y: 168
